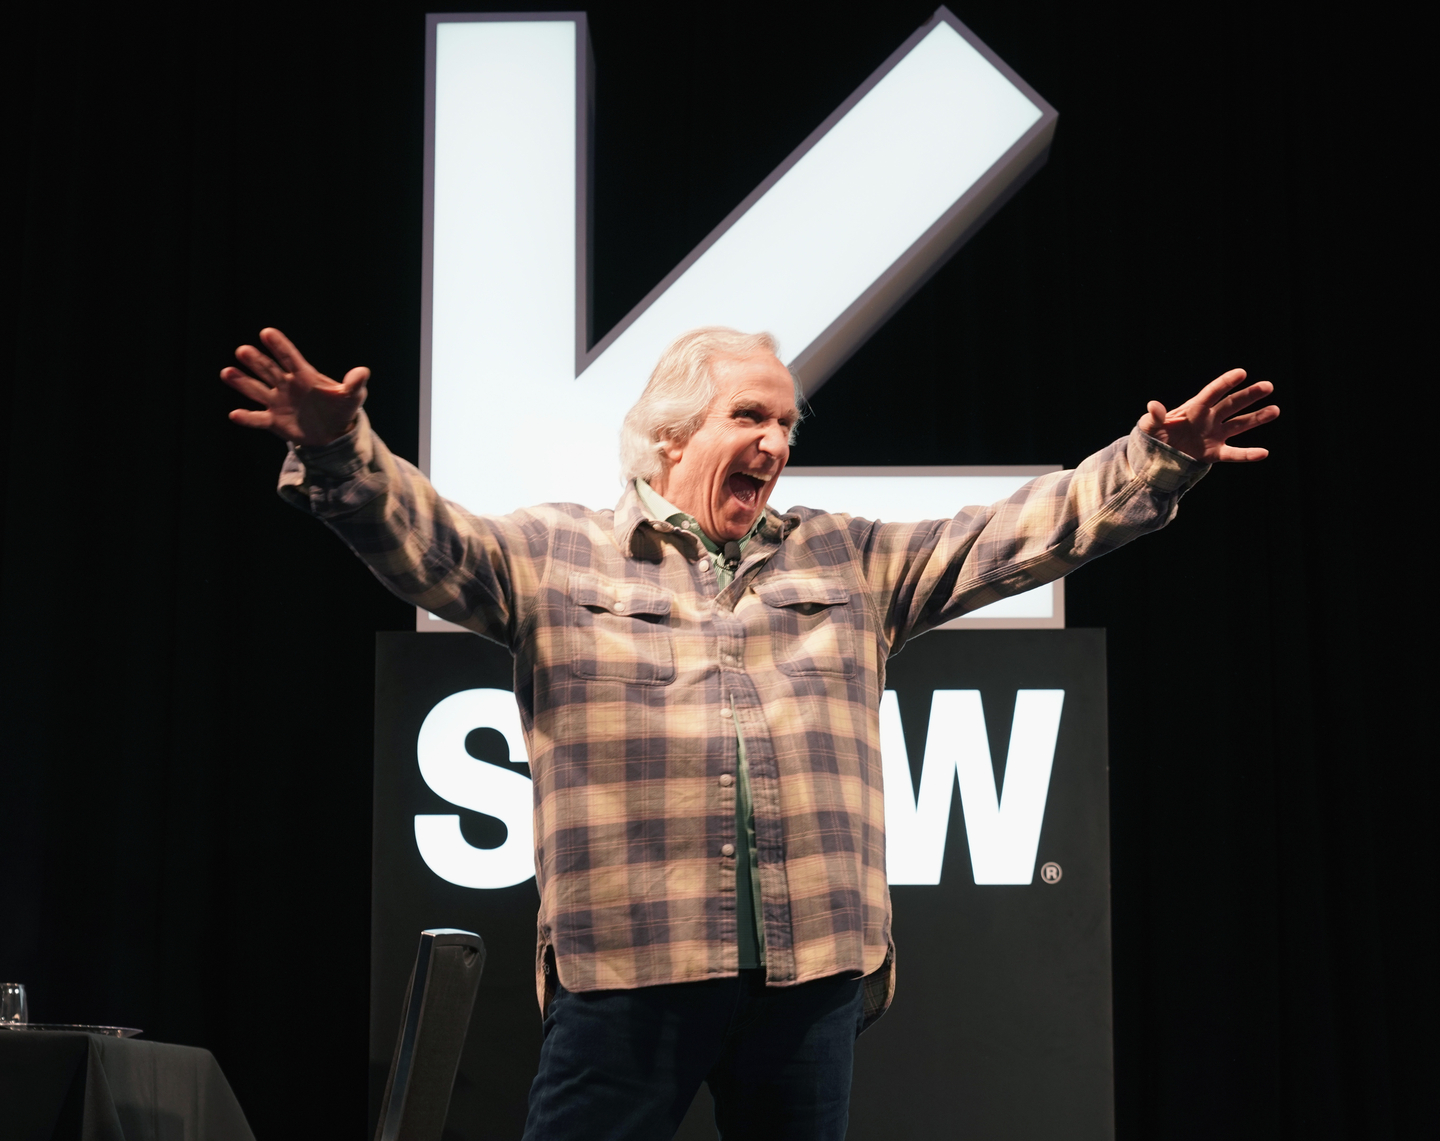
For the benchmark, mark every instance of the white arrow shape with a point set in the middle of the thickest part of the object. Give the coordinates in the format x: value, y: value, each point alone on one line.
x: 819, y: 254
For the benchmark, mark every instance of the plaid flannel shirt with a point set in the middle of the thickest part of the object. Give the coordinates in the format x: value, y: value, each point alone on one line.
x: 629, y: 661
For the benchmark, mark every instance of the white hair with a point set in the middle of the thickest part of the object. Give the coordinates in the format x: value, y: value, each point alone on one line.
x: 680, y: 392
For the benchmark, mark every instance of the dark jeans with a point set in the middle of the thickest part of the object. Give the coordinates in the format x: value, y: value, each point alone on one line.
x: 625, y: 1064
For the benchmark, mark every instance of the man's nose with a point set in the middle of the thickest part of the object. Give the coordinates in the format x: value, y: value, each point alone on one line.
x: 775, y: 441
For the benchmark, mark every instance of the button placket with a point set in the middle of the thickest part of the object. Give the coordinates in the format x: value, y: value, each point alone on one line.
x: 729, y: 635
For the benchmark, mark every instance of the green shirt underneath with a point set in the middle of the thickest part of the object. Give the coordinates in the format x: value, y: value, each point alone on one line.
x: 747, y: 874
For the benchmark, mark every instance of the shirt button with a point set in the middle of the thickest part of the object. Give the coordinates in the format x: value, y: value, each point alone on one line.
x: 619, y: 608
x: 727, y: 849
x: 724, y: 713
x: 704, y: 564
x: 726, y: 780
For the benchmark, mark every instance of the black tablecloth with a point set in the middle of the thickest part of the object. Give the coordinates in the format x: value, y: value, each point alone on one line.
x: 87, y: 1087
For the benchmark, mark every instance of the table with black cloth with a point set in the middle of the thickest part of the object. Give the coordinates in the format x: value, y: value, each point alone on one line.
x: 72, y: 1086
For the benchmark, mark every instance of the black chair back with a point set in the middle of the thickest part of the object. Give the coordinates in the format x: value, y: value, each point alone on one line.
x: 433, y: 1023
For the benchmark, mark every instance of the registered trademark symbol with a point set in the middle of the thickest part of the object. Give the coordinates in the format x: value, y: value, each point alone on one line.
x: 1051, y: 872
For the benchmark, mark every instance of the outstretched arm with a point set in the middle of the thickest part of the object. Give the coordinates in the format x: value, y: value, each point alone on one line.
x: 1201, y: 426
x: 478, y: 572
x: 926, y: 573
x: 301, y: 405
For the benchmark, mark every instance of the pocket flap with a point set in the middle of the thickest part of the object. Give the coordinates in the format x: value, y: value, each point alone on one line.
x: 801, y: 590
x: 619, y: 597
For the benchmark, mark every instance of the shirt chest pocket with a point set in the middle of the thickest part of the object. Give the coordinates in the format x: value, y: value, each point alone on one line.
x: 619, y: 631
x: 812, y: 624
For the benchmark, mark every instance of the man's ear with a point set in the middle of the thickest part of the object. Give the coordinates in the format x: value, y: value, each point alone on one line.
x: 671, y: 451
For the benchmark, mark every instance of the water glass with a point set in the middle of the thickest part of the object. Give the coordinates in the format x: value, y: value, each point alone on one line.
x: 13, y: 1010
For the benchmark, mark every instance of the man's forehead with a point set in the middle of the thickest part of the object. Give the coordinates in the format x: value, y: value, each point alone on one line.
x: 760, y: 381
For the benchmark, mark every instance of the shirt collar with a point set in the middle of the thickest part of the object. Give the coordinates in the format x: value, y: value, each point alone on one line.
x: 655, y: 504
x: 635, y: 522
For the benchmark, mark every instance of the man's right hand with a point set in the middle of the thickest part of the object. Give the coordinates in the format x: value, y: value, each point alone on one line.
x: 302, y: 406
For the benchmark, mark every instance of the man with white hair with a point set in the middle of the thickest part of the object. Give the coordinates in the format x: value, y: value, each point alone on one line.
x: 699, y: 680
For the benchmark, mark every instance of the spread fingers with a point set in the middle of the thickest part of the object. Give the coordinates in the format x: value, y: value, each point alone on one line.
x: 1238, y: 424
x: 247, y: 385
x: 1215, y: 391
x: 285, y: 351
x: 261, y: 365
x: 251, y: 419
x: 1242, y: 399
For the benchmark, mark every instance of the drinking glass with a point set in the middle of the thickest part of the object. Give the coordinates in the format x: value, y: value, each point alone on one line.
x: 13, y: 1010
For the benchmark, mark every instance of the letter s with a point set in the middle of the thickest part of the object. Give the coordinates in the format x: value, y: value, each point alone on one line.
x: 454, y: 774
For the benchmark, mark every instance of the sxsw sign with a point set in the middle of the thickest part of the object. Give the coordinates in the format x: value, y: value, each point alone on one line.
x: 1003, y: 829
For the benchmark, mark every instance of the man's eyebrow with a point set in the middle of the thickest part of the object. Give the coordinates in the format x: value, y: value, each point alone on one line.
x: 744, y: 405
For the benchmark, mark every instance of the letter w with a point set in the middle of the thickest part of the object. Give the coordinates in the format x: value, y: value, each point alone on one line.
x: 1003, y: 828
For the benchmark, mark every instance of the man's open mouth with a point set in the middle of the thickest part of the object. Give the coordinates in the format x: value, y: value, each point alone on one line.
x: 746, y: 487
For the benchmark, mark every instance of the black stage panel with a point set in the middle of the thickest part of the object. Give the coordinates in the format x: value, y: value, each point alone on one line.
x: 1001, y: 1026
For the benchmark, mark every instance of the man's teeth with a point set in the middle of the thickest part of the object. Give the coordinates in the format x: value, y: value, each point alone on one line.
x: 758, y: 475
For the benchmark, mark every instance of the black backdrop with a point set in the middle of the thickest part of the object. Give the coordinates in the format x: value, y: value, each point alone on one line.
x: 187, y: 692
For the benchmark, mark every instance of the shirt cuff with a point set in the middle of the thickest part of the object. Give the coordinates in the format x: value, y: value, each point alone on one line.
x: 341, y: 458
x: 1164, y: 468
x: 311, y: 472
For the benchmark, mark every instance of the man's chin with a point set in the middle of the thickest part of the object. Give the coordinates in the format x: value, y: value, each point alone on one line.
x: 736, y: 527
x: 736, y: 516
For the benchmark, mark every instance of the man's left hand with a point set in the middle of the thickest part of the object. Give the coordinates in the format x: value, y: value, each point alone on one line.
x: 1201, y: 426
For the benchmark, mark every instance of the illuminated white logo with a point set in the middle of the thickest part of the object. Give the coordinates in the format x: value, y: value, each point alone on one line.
x: 820, y: 253
x: 1003, y: 828
x: 454, y: 775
